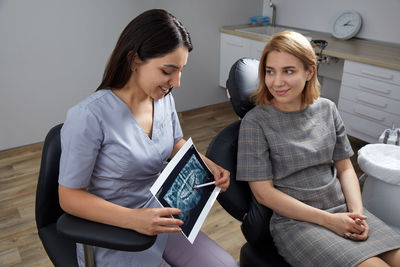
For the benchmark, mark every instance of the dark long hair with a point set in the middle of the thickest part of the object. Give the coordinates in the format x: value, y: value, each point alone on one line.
x: 152, y: 34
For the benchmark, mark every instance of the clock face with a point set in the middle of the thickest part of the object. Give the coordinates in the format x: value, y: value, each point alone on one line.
x: 346, y: 25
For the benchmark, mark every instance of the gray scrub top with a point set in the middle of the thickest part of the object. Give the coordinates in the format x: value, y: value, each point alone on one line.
x: 106, y: 151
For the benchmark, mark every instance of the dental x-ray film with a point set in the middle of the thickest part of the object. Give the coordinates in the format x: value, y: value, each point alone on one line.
x: 175, y: 188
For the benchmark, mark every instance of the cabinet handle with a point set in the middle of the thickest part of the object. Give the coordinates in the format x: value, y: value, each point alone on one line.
x: 374, y: 88
x: 368, y: 116
x: 367, y: 101
x: 377, y: 75
x: 233, y: 44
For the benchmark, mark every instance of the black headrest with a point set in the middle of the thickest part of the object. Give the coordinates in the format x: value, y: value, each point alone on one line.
x: 242, y: 81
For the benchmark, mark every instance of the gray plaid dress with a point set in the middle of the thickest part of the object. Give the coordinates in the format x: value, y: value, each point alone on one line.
x: 296, y: 150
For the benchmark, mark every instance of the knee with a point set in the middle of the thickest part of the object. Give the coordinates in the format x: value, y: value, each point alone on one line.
x: 231, y: 263
x: 228, y: 261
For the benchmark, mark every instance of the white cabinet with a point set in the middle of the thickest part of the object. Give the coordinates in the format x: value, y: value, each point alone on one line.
x: 256, y: 49
x: 233, y: 48
x: 369, y: 100
x: 330, y: 76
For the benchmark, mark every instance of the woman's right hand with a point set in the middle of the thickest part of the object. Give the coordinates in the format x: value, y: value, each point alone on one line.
x: 153, y: 221
x: 363, y: 235
x: 348, y: 225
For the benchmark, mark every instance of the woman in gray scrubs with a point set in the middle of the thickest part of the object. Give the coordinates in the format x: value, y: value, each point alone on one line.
x: 116, y: 142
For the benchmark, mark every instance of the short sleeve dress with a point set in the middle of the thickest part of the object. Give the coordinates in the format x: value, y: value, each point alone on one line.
x: 297, y: 150
x: 105, y: 150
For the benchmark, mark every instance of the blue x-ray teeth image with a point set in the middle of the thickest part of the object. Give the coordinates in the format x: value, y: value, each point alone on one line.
x: 181, y: 194
x: 176, y: 189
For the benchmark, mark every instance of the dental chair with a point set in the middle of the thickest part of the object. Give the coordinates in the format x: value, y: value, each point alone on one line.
x: 238, y: 200
x: 59, y: 231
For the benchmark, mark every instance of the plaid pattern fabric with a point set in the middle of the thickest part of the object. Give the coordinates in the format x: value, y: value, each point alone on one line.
x: 307, y: 244
x: 296, y: 150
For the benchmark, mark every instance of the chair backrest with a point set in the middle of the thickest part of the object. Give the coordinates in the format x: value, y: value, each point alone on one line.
x: 47, y: 205
x: 223, y: 151
x: 238, y: 200
x: 59, y: 236
x: 242, y: 81
x: 61, y: 250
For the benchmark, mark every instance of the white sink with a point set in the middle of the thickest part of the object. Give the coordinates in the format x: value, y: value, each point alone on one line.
x: 269, y: 30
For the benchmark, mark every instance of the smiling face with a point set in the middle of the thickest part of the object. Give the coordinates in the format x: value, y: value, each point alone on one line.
x: 154, y: 77
x: 285, y: 78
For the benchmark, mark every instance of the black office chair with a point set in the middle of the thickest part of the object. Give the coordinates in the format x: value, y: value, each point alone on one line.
x: 59, y: 232
x: 238, y: 200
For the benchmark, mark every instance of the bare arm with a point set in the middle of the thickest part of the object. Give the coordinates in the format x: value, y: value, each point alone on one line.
x: 350, y: 185
x: 351, y: 190
x: 267, y: 195
x: 340, y: 223
x: 150, y: 221
x: 177, y: 146
x: 221, y: 175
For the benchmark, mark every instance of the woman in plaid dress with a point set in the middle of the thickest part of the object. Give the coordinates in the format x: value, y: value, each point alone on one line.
x: 294, y: 152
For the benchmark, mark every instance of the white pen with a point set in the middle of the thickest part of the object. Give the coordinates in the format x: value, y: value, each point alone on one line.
x: 202, y: 185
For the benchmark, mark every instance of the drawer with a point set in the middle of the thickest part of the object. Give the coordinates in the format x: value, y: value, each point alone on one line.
x: 373, y: 72
x: 372, y: 86
x: 368, y: 114
x: 362, y: 129
x: 370, y: 100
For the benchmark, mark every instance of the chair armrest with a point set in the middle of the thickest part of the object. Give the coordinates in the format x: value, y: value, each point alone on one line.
x: 102, y: 235
x: 255, y: 226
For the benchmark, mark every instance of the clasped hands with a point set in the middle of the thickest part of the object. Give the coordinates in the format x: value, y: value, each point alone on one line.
x: 349, y: 225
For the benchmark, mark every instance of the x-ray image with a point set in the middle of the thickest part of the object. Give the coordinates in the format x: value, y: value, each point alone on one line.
x: 181, y: 194
x: 175, y: 188
x: 178, y: 191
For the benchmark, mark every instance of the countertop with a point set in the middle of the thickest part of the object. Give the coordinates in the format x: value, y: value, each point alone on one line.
x: 376, y: 53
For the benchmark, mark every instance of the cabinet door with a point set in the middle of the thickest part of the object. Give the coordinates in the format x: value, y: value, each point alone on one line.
x: 369, y: 100
x: 231, y: 49
x: 256, y: 49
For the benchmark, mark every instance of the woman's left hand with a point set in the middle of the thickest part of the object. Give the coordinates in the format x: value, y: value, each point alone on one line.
x: 221, y: 176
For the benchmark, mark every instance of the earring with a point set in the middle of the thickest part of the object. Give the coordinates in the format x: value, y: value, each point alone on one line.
x: 133, y: 68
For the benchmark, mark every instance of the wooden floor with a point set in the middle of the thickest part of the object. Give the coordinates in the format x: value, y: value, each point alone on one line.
x: 19, y: 169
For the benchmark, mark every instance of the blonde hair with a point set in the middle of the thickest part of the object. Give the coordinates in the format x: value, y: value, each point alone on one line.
x: 296, y: 44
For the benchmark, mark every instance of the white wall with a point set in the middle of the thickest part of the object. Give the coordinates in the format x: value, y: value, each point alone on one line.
x: 380, y: 18
x: 203, y: 19
x: 53, y: 53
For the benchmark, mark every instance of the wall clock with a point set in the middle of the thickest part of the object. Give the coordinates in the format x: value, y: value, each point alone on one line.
x: 346, y: 25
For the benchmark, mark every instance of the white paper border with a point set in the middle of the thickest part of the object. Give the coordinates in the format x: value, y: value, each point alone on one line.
x: 164, y: 175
